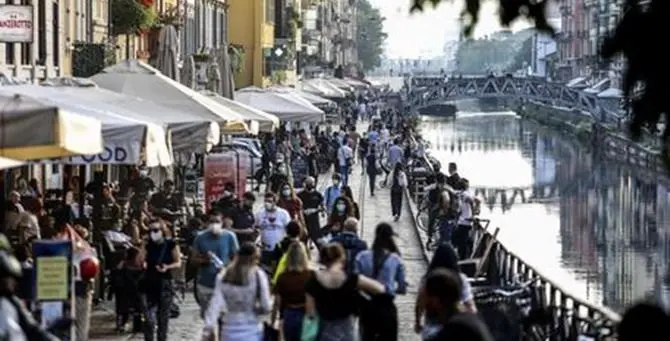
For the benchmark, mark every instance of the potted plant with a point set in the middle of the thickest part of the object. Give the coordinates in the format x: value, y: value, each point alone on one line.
x: 131, y: 16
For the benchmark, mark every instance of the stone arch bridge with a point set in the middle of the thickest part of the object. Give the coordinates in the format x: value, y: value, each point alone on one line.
x: 433, y: 90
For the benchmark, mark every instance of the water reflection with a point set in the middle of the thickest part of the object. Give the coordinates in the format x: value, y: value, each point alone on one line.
x: 593, y: 226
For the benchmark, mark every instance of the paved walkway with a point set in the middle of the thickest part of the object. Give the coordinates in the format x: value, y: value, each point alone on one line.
x: 373, y: 211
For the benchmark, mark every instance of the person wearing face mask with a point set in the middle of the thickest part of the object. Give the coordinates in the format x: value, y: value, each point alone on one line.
x: 244, y: 221
x: 312, y: 203
x: 271, y: 220
x: 166, y: 203
x: 212, y: 250
x: 292, y: 204
x: 332, y: 192
x: 342, y: 210
x: 161, y: 256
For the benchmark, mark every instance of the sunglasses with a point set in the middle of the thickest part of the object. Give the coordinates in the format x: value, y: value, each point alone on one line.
x: 155, y: 230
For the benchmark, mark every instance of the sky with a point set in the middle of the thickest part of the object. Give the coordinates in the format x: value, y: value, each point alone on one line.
x: 425, y: 34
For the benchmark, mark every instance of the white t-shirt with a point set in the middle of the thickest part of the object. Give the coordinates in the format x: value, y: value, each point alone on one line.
x: 362, y: 108
x: 272, y: 226
x: 466, y: 208
x: 343, y: 154
x: 386, y: 135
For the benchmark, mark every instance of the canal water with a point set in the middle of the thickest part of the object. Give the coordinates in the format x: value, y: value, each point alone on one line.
x: 589, y: 224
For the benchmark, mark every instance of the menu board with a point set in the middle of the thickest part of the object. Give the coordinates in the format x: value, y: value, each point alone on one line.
x: 222, y: 168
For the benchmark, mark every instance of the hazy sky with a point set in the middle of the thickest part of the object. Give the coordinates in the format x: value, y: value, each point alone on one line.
x: 424, y: 34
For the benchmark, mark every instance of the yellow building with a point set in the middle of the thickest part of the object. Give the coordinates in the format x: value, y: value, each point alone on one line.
x: 250, y: 25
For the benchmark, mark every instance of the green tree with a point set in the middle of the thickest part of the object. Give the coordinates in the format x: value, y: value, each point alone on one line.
x: 370, y: 35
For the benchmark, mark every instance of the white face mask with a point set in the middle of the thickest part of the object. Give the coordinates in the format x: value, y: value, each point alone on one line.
x: 156, y: 236
x: 144, y: 173
x: 341, y: 207
x: 336, y: 182
x: 269, y: 206
x: 286, y: 192
x: 226, y: 193
x: 216, y: 228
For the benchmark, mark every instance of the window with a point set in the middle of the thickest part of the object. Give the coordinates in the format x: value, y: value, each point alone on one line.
x: 270, y: 11
x: 55, y: 39
x: 9, y: 47
x: 41, y: 33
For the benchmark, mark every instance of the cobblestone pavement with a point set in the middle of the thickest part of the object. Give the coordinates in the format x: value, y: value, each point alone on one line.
x: 374, y: 210
x: 378, y: 209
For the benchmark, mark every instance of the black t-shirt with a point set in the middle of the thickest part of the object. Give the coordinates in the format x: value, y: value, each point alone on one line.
x: 363, y: 146
x: 464, y: 327
x: 454, y: 181
x: 310, y: 199
x: 336, y: 303
x: 244, y: 219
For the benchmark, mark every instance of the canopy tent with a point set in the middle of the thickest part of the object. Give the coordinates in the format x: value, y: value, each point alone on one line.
x: 189, y: 133
x: 341, y: 84
x: 135, y: 78
x: 6, y: 163
x: 284, y: 108
x: 123, y: 133
x: 266, y: 122
x: 322, y: 88
x: 311, y: 98
x: 31, y: 129
x: 611, y: 93
x: 356, y: 83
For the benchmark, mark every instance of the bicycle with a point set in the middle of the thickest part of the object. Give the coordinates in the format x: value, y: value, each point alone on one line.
x: 514, y: 313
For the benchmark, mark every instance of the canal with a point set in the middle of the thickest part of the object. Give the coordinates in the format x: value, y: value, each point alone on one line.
x: 588, y: 224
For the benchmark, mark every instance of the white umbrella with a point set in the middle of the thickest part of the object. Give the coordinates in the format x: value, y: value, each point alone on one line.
x: 341, y: 84
x: 286, y: 109
x: 120, y: 130
x: 266, y: 122
x: 135, y: 78
x: 6, y: 163
x: 311, y: 98
x: 189, y: 134
x: 168, y: 41
x: 323, y: 88
x: 32, y: 129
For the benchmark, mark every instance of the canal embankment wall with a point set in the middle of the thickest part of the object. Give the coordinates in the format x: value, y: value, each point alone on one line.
x: 611, y: 142
x: 503, y: 266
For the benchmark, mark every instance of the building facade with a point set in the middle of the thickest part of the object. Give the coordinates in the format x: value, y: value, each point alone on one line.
x: 585, y: 23
x: 251, y: 26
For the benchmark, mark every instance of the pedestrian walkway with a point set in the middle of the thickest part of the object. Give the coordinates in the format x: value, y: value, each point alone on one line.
x: 375, y: 210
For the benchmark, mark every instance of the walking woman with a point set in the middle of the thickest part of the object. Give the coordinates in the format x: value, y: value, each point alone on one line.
x: 289, y: 201
x: 398, y: 185
x: 349, y: 194
x: 331, y: 294
x: 161, y: 256
x: 289, y: 291
x: 342, y: 210
x: 445, y: 257
x: 371, y: 164
x: 379, y: 320
x: 242, y: 294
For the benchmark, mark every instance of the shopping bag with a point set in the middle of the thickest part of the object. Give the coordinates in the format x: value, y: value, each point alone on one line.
x: 310, y: 329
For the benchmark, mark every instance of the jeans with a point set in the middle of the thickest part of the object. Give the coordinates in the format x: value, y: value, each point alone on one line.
x: 446, y: 229
x: 204, y: 295
x: 433, y: 214
x: 372, y: 177
x: 292, y: 324
x: 462, y: 241
x: 396, y: 202
x: 344, y: 172
x: 158, y: 311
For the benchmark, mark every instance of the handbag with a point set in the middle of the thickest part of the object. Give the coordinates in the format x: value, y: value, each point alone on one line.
x: 310, y: 328
x: 270, y: 333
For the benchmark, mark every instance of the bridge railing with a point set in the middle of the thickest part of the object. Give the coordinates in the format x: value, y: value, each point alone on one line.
x: 570, y: 316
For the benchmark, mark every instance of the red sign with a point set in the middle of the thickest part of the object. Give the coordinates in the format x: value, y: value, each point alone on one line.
x: 221, y: 169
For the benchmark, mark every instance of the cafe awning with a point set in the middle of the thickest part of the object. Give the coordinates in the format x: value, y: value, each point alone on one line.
x: 127, y: 138
x: 31, y: 129
x: 136, y: 78
x: 284, y: 108
x: 266, y: 122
